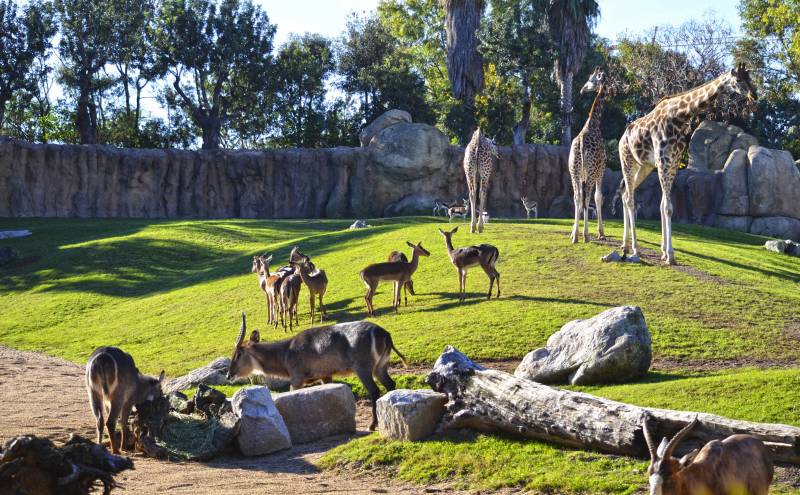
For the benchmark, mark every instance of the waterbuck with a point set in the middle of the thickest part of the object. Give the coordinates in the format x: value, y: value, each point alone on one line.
x: 739, y: 464
x: 483, y: 255
x: 391, y: 271
x: 113, y: 380
x: 318, y: 353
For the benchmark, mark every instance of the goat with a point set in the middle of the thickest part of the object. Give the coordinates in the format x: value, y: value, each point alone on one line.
x: 397, y: 272
x: 112, y: 379
x: 530, y: 206
x: 739, y: 464
x: 396, y: 256
x: 484, y: 255
x: 456, y: 210
x: 318, y: 353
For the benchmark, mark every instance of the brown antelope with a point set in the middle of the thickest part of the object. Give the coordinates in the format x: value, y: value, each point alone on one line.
x: 464, y: 258
x: 396, y: 256
x: 737, y: 465
x: 458, y: 210
x: 318, y: 353
x: 394, y: 271
x: 289, y: 295
x: 316, y: 280
x: 113, y: 380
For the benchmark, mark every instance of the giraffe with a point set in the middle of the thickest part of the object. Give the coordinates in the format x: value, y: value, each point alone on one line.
x: 587, y: 160
x: 658, y: 141
x: 479, y: 162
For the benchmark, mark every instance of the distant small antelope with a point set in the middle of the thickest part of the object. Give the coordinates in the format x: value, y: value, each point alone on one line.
x: 458, y: 210
x: 318, y: 353
x: 439, y: 206
x: 737, y: 465
x: 530, y: 206
x: 464, y: 258
x: 113, y: 380
x: 289, y: 295
x: 270, y: 284
x: 396, y: 271
x: 395, y: 256
x: 317, y: 283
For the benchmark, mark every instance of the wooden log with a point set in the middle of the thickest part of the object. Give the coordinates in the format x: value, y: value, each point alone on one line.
x: 490, y: 400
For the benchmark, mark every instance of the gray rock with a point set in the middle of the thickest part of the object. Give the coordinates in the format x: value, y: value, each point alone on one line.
x: 776, y: 245
x: 712, y: 143
x: 409, y: 151
x: 359, y: 224
x: 774, y: 183
x: 413, y: 204
x: 11, y: 234
x: 386, y: 119
x: 735, y: 199
x: 262, y: 429
x: 562, y: 207
x: 317, y: 412
x: 410, y: 414
x: 733, y: 223
x: 781, y: 227
x: 612, y: 347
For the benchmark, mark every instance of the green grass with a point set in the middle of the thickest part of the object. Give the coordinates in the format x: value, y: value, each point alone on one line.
x: 170, y: 293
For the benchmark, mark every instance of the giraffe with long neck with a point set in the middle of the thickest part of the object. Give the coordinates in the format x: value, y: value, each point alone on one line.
x: 658, y: 141
x: 587, y: 160
x: 480, y: 157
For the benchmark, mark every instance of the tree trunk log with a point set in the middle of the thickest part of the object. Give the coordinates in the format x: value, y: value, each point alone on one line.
x: 490, y: 400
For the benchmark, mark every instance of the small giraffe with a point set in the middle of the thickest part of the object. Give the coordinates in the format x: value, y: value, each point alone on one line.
x: 479, y: 161
x: 587, y: 160
x: 658, y: 141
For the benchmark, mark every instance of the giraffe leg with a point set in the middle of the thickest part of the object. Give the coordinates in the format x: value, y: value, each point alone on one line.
x: 666, y: 175
x: 472, y: 200
x: 587, y: 194
x: 484, y: 193
x: 598, y: 204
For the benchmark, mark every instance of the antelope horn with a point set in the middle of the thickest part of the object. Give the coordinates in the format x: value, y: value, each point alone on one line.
x: 65, y: 480
x: 648, y: 438
x: 240, y: 338
x: 679, y: 436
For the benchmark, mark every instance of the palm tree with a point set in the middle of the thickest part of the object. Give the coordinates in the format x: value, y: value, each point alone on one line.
x: 464, y: 62
x: 571, y: 23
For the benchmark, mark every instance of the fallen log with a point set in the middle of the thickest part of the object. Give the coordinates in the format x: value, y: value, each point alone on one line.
x: 490, y: 400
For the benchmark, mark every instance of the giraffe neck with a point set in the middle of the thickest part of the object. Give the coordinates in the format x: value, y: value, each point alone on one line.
x: 699, y: 98
x: 596, y: 113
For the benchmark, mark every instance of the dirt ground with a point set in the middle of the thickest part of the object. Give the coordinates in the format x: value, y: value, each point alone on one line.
x: 45, y: 396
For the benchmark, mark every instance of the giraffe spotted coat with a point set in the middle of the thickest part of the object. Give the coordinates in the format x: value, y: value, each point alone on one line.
x: 480, y: 158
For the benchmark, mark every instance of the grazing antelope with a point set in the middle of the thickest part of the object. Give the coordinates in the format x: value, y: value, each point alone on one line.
x: 530, y: 206
x: 318, y: 353
x: 439, y: 206
x: 395, y: 271
x: 456, y: 210
x: 289, y: 295
x: 395, y: 256
x: 463, y: 258
x: 113, y: 380
x: 737, y: 465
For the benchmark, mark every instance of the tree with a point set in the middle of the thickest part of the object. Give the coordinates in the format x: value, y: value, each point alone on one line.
x: 219, y: 57
x: 516, y: 40
x: 464, y: 61
x: 303, y: 66
x: 24, y: 37
x: 571, y: 23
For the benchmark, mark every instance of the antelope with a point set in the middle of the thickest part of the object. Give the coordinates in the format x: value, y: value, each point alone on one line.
x: 457, y: 210
x: 485, y: 215
x: 530, y: 206
x: 318, y: 353
x: 439, y: 206
x: 288, y: 295
x: 113, y: 380
x: 394, y: 257
x: 739, y: 464
x: 270, y: 284
x: 396, y: 271
x: 463, y: 258
x: 315, y: 280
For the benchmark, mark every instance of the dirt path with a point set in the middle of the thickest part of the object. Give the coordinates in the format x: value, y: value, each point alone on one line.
x: 45, y: 396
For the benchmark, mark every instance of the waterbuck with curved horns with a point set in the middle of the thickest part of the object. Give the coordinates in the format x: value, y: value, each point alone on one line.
x: 318, y: 353
x: 737, y: 465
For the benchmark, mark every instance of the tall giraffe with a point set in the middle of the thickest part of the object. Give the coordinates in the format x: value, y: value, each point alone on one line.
x: 658, y: 141
x: 587, y: 160
x: 479, y: 162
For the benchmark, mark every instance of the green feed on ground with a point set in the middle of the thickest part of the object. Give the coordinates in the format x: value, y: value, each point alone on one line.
x: 170, y: 293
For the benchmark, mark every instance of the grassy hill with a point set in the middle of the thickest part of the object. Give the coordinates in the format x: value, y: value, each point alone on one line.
x: 170, y: 293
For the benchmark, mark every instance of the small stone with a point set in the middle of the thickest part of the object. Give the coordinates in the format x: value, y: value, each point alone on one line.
x: 410, y: 414
x: 262, y: 429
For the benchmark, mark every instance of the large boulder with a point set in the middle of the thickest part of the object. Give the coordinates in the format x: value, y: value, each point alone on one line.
x: 774, y: 183
x: 386, y: 119
x: 410, y: 414
x: 735, y: 194
x: 612, y: 347
x: 409, y: 151
x: 262, y: 429
x: 317, y: 412
x: 780, y: 227
x: 712, y: 143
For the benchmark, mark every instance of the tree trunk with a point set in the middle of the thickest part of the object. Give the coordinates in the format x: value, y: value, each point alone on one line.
x: 521, y: 128
x: 2, y: 113
x: 492, y: 400
x: 83, y: 117
x: 212, y: 129
x: 566, y: 109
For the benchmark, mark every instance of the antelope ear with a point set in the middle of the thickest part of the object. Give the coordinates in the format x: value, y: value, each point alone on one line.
x: 255, y: 337
x: 454, y: 230
x: 410, y: 245
x: 268, y: 259
x: 688, y: 458
x: 162, y: 377
x: 662, y: 447
x: 441, y: 231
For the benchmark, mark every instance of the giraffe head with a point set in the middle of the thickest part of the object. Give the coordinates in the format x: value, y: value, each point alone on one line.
x: 739, y: 82
x: 596, y: 80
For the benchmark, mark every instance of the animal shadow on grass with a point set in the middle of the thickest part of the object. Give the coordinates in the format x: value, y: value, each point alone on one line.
x: 478, y: 297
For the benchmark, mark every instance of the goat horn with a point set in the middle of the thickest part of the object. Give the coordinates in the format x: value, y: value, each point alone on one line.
x: 648, y: 438
x: 679, y: 436
x: 240, y: 338
x: 65, y: 480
